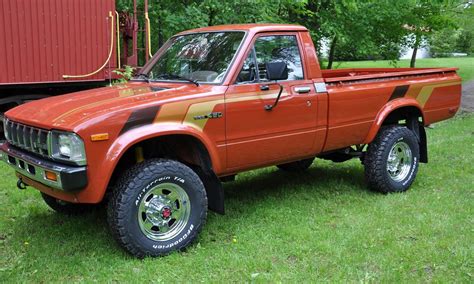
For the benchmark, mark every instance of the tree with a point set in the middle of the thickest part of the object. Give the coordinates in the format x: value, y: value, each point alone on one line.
x: 423, y: 18
x: 352, y: 29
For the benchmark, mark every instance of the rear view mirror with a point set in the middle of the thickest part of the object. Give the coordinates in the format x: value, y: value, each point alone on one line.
x: 276, y: 71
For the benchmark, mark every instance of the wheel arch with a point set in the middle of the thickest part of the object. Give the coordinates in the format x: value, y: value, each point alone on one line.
x: 406, y: 112
x: 184, y: 145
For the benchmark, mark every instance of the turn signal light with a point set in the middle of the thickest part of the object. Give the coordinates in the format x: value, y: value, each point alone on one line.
x: 51, y: 176
x: 100, y: 137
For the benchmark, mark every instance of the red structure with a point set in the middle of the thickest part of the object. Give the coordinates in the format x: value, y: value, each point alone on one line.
x: 55, y: 47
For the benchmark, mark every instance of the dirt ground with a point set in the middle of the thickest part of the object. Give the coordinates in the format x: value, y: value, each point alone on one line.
x: 467, y: 100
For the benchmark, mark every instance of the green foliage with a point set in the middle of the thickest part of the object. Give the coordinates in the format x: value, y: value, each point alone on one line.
x: 354, y: 29
x: 125, y: 74
x: 459, y: 39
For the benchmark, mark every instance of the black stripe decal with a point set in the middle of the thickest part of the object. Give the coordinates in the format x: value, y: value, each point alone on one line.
x: 399, y: 92
x: 140, y: 117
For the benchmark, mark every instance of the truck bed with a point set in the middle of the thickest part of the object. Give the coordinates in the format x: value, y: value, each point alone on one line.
x: 355, y: 74
x: 359, y: 97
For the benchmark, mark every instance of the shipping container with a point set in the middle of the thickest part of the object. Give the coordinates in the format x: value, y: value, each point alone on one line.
x: 57, y: 41
x: 53, y: 47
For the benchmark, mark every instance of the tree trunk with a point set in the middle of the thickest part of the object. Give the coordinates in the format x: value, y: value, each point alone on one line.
x: 415, y: 51
x: 212, y: 14
x: 160, y: 33
x: 332, y: 49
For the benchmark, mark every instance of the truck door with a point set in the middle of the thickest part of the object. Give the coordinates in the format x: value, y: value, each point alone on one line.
x: 256, y: 136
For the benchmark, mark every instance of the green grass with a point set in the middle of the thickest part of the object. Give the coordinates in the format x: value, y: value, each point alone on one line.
x: 320, y: 225
x: 465, y: 64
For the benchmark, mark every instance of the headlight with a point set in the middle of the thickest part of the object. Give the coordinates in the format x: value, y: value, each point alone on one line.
x: 5, y: 129
x: 68, y: 146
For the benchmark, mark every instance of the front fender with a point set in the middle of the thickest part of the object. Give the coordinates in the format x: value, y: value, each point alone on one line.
x: 137, y: 135
x: 385, y: 111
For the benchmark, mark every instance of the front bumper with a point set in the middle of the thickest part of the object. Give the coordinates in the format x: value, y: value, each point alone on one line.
x: 69, y: 178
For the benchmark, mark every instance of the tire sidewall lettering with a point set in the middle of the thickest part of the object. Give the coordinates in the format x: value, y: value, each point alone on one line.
x: 177, y: 242
x: 168, y: 178
x: 186, y: 234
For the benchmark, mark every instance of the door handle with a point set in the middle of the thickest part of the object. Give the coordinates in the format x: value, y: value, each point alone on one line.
x: 264, y: 88
x: 303, y: 90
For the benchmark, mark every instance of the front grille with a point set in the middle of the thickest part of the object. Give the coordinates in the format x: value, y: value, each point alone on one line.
x: 26, y: 137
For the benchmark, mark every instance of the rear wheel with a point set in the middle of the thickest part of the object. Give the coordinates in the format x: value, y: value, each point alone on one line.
x: 65, y: 207
x: 158, y: 207
x: 297, y: 166
x: 392, y: 160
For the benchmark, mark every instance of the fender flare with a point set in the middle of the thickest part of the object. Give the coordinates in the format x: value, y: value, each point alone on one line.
x: 130, y: 138
x: 386, y: 110
x: 137, y: 135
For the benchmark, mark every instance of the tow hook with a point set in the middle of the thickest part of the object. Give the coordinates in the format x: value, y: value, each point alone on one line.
x: 20, y: 184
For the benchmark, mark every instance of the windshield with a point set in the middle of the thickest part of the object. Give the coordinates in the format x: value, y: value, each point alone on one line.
x: 201, y: 57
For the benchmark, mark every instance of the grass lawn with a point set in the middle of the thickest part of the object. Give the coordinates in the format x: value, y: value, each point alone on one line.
x: 465, y: 64
x: 319, y: 225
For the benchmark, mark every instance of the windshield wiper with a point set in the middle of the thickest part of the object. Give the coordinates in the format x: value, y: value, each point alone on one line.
x: 174, y: 76
x: 143, y: 76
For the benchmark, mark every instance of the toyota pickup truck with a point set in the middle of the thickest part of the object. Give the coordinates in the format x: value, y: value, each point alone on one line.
x: 214, y: 102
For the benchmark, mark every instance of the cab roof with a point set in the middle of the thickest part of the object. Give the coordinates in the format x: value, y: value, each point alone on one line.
x: 252, y: 28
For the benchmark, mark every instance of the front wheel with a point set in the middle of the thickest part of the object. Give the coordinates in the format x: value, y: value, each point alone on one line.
x: 158, y: 207
x: 392, y: 160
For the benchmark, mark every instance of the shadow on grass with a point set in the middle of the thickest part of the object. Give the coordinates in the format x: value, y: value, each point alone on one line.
x: 271, y: 184
x: 88, y: 235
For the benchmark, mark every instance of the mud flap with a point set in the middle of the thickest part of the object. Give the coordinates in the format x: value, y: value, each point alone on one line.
x: 423, y: 144
x: 214, y: 190
x: 419, y: 130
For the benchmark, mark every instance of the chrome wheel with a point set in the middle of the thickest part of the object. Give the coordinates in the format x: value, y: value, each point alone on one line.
x: 164, y: 212
x: 399, y: 161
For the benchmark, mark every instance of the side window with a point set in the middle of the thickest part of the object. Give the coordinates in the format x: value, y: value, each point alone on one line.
x: 279, y: 48
x: 248, y: 72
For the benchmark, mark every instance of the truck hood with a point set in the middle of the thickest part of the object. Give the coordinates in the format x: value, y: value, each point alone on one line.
x: 66, y: 112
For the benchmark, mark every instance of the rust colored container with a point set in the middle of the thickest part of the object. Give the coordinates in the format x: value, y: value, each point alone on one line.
x: 57, y: 41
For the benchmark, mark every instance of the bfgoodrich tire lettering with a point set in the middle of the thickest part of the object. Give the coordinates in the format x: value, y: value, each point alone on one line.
x: 392, y: 160
x: 146, y: 200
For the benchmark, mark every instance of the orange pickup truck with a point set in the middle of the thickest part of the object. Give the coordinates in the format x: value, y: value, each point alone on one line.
x: 211, y: 103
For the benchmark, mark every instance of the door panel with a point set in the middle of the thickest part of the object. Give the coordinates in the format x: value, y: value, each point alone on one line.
x: 256, y: 136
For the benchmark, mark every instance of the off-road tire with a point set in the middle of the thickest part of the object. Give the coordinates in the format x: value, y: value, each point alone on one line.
x: 65, y: 207
x: 376, y: 159
x: 297, y: 166
x: 134, y: 186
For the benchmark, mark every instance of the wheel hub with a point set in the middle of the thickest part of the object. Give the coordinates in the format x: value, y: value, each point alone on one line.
x: 399, y: 161
x: 164, y: 212
x: 158, y: 209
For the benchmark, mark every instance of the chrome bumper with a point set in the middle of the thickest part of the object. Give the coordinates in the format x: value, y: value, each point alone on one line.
x: 69, y: 178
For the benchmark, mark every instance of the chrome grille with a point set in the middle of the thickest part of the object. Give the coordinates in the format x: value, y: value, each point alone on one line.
x: 26, y: 137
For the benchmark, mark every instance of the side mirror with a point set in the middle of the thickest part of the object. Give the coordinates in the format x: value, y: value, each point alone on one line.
x: 276, y: 71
